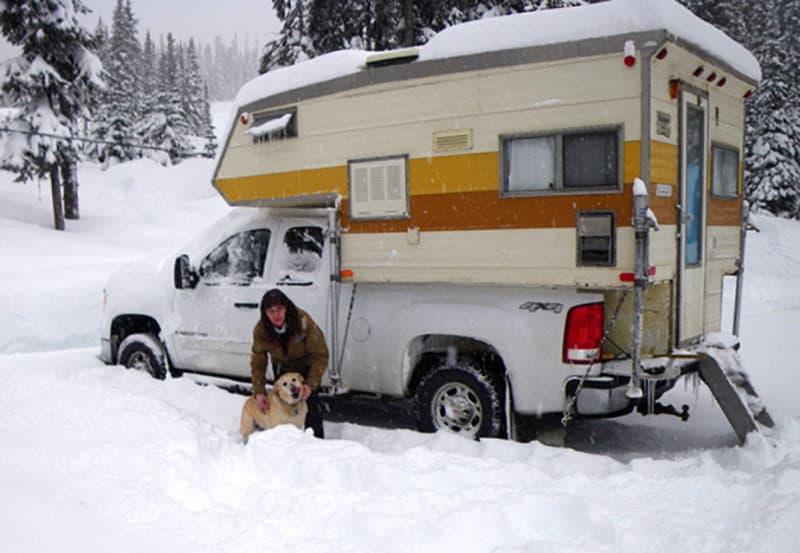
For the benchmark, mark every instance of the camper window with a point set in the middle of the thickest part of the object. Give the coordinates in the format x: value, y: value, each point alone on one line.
x: 583, y: 160
x: 238, y: 260
x: 273, y: 125
x: 725, y: 171
x: 596, y: 238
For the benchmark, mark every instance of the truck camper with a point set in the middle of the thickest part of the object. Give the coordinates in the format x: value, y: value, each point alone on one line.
x: 528, y: 217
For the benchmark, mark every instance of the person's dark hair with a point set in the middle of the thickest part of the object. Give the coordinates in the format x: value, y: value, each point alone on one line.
x: 276, y: 297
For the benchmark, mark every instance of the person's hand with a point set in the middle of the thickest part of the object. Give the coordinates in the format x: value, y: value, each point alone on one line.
x: 262, y: 403
x: 305, y: 392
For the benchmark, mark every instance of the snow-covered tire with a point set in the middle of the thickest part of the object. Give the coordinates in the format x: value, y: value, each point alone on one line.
x: 461, y: 398
x: 144, y: 352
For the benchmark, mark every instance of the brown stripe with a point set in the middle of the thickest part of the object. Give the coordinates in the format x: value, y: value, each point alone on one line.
x: 724, y: 211
x: 486, y: 210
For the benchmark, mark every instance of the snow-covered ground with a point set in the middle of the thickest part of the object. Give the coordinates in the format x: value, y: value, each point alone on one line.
x: 100, y: 459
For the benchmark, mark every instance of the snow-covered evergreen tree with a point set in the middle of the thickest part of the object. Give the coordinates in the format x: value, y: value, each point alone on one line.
x: 294, y: 43
x: 51, y: 83
x: 122, y: 103
x: 169, y: 128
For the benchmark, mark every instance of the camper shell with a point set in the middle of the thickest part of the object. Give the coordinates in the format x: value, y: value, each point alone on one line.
x: 516, y: 166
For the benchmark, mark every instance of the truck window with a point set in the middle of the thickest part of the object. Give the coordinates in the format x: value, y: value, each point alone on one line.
x: 304, y: 248
x: 239, y: 259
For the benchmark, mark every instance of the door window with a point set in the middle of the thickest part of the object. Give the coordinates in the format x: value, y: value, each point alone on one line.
x: 695, y: 140
x: 303, y: 250
x: 237, y: 260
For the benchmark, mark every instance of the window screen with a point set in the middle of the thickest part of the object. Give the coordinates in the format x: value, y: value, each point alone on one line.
x: 590, y: 160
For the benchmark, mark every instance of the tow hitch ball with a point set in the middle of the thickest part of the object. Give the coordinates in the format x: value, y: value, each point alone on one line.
x: 661, y: 409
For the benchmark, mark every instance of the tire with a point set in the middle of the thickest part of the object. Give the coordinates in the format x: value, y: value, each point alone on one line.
x: 143, y: 352
x: 461, y: 398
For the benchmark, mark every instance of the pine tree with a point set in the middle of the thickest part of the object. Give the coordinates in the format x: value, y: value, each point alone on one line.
x: 773, y: 160
x: 51, y: 81
x: 170, y: 128
x: 192, y: 90
x: 294, y: 43
x: 122, y: 103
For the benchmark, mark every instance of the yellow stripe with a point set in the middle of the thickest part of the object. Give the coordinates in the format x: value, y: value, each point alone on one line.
x: 282, y: 185
x: 478, y: 172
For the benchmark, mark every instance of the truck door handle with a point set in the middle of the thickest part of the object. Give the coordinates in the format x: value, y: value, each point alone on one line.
x: 287, y: 281
x: 245, y: 305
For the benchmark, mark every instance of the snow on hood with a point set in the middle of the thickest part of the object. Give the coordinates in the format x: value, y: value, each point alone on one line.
x: 610, y: 18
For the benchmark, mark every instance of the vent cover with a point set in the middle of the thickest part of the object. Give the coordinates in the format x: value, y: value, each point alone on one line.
x: 452, y: 141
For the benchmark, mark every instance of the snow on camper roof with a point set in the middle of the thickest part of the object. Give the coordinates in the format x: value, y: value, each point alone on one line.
x: 604, y: 19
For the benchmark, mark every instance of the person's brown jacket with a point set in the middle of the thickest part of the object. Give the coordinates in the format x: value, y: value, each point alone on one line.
x: 307, y: 353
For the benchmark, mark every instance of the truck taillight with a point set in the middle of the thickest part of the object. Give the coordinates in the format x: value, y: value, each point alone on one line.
x: 583, y: 333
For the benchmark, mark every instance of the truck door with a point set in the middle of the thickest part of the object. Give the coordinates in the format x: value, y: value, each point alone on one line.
x: 300, y: 267
x: 214, y: 321
x: 692, y: 209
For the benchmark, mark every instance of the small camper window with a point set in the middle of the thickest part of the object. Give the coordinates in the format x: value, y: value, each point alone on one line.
x: 273, y: 125
x: 584, y: 160
x: 725, y: 171
x: 378, y: 188
x: 596, y: 238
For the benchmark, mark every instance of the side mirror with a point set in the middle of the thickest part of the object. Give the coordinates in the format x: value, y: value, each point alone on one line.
x: 185, y: 276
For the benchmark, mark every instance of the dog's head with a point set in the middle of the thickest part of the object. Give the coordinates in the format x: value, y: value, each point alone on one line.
x: 289, y: 387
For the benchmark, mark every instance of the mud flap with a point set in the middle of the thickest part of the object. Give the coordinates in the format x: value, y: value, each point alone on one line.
x: 721, y: 370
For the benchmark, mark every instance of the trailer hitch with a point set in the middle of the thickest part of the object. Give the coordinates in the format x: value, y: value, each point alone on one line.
x: 661, y: 409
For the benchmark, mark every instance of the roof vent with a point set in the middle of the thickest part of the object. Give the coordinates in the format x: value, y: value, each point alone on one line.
x: 392, y: 57
x: 452, y: 141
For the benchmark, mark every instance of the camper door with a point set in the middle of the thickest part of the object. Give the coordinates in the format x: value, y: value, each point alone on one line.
x: 692, y: 209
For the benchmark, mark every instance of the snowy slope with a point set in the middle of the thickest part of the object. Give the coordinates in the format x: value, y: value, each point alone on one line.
x: 96, y: 458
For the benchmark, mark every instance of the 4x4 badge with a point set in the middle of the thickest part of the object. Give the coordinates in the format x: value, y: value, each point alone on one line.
x: 534, y: 306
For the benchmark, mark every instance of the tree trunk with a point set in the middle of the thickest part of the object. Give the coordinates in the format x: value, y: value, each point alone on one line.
x: 408, y: 19
x: 55, y: 188
x: 69, y: 174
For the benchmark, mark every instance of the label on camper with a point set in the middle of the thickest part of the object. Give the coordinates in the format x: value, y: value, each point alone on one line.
x: 663, y: 190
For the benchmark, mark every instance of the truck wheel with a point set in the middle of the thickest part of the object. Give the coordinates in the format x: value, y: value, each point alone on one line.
x: 462, y: 399
x: 143, y: 352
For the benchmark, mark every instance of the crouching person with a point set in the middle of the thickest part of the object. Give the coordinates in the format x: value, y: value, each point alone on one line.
x: 296, y: 344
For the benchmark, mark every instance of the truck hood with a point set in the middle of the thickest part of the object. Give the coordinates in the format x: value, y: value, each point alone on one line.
x: 143, y: 287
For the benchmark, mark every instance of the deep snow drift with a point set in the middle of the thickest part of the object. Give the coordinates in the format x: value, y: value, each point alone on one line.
x: 97, y: 458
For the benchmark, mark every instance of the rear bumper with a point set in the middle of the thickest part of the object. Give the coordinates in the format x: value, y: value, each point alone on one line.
x: 602, y: 395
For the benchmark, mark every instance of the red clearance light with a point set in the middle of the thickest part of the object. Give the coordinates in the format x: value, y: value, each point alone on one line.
x: 583, y: 334
x: 722, y: 82
x: 699, y: 71
x: 629, y: 277
x: 244, y: 118
x: 629, y: 51
x: 346, y: 273
x: 747, y: 94
x: 662, y: 53
x: 711, y: 77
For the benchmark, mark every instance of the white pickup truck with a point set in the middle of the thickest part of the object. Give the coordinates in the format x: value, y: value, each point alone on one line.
x: 482, y: 360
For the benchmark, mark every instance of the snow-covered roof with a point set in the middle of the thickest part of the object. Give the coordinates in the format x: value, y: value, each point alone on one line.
x: 604, y: 19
